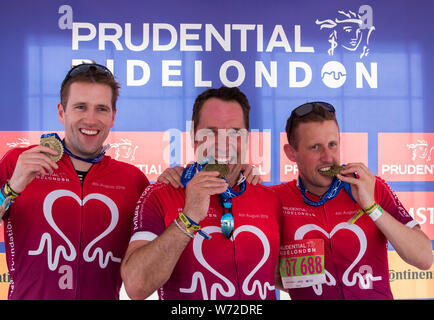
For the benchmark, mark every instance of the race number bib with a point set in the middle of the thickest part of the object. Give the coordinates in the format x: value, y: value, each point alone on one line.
x: 302, y: 263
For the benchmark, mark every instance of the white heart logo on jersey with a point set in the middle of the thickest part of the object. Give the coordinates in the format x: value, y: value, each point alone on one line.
x: 53, y: 261
x: 199, y: 278
x: 365, y: 282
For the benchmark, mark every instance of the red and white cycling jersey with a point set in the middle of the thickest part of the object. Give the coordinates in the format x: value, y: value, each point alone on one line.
x: 218, y: 268
x: 65, y: 241
x: 356, y: 264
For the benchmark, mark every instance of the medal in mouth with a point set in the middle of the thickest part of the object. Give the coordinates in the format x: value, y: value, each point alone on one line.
x: 222, y: 168
x: 53, y: 143
x: 331, y: 171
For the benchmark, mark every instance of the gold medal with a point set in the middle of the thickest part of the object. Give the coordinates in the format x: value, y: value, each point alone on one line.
x: 222, y: 168
x: 334, y: 170
x: 54, y: 144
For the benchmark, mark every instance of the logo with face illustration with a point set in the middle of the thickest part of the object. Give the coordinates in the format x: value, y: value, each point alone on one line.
x: 125, y: 150
x: 420, y: 150
x: 350, y: 30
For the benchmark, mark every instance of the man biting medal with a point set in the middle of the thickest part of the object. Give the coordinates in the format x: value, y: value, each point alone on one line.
x: 217, y: 222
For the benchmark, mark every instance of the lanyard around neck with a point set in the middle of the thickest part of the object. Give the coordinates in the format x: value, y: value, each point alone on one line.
x: 96, y: 159
x: 332, y: 192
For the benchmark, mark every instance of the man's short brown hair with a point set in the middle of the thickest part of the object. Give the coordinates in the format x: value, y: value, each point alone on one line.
x: 315, y: 112
x: 225, y: 94
x: 89, y: 73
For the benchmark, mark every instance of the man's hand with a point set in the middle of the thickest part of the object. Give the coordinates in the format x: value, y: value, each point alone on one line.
x: 252, y: 174
x: 31, y: 163
x: 363, y: 187
x: 411, y: 244
x: 198, y: 191
x: 172, y: 176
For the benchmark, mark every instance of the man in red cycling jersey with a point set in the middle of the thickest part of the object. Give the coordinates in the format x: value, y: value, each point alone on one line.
x: 216, y: 238
x: 69, y: 224
x: 337, y: 220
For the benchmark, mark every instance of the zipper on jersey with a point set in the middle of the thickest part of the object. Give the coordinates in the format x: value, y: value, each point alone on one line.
x: 77, y: 287
x: 326, y: 222
x: 77, y: 282
x: 236, y: 268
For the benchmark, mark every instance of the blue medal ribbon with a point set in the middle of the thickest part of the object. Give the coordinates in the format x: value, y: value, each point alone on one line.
x: 332, y: 192
x: 46, y: 135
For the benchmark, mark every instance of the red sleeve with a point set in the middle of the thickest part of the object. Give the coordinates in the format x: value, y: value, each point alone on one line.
x: 389, y: 201
x: 7, y: 164
x: 143, y: 181
x: 148, y: 222
x: 7, y: 168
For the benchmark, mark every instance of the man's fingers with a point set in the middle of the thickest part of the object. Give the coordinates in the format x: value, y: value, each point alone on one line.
x: 218, y: 190
x: 204, y: 175
x: 208, y: 183
x: 175, y: 177
x: 248, y: 174
x: 40, y: 149
x: 39, y: 159
x: 349, y: 179
x: 175, y: 174
x: 40, y: 167
x: 210, y: 188
x: 212, y: 184
x: 207, y: 174
x: 164, y: 180
x: 43, y: 172
x: 356, y: 167
x: 175, y: 182
x: 256, y: 180
x: 49, y: 150
x: 252, y: 174
x: 178, y: 170
x: 37, y: 154
x: 167, y: 178
x: 37, y: 169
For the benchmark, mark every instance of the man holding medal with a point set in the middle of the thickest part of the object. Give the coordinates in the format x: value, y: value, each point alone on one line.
x: 67, y: 208
x: 337, y: 220
x: 217, y: 238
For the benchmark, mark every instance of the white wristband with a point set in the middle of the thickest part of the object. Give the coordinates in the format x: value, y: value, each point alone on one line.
x: 183, y: 230
x: 376, y: 213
